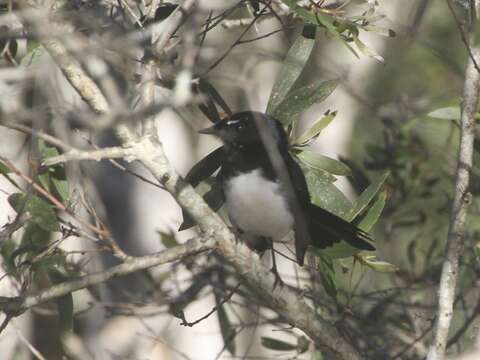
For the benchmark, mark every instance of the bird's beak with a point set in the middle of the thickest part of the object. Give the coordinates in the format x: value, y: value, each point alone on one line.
x: 212, y: 130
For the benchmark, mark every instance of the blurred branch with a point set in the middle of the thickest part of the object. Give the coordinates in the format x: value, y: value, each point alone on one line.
x: 171, y: 24
x: 14, y: 306
x: 39, y: 134
x: 462, y: 198
x: 96, y: 155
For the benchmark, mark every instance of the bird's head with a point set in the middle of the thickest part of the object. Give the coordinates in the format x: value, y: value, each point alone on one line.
x: 241, y: 129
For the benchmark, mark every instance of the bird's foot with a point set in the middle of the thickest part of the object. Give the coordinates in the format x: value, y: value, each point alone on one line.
x: 278, y: 279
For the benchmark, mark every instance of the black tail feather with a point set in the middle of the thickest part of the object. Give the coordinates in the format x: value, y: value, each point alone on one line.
x: 328, y: 229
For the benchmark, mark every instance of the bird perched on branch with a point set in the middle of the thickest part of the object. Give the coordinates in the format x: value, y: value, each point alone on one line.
x: 265, y: 190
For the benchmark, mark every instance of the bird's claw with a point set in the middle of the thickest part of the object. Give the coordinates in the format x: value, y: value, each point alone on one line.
x: 278, y: 279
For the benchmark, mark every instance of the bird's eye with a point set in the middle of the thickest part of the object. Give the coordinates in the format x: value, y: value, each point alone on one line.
x: 232, y: 122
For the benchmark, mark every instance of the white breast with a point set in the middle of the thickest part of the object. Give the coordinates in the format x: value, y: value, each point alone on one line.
x: 257, y: 206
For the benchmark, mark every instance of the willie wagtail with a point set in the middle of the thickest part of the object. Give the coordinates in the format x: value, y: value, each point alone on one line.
x: 256, y: 201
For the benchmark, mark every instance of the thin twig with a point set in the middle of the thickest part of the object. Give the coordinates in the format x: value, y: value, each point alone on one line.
x: 215, y: 308
x: 461, y: 30
x: 235, y: 43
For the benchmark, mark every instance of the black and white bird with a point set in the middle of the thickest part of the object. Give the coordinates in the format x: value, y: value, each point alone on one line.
x: 258, y: 203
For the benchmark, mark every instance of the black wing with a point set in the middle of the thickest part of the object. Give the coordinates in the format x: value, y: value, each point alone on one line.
x: 201, y: 171
x: 206, y: 167
x: 326, y: 228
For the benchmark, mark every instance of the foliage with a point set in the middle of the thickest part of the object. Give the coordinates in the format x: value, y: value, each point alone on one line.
x: 401, y: 166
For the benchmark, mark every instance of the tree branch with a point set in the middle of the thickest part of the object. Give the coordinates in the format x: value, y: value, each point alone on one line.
x: 14, y: 306
x: 461, y: 200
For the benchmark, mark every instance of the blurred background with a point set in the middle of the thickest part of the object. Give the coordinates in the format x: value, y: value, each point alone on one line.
x: 398, y: 110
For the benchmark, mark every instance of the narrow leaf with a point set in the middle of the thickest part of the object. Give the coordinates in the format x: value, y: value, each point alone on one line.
x: 377, y: 265
x: 44, y: 179
x: 302, y: 98
x: 290, y: 71
x: 4, y: 169
x: 326, y: 195
x: 322, y: 162
x: 373, y: 214
x: 446, y: 113
x: 316, y: 129
x: 61, y: 186
x: 366, y: 197
x: 367, y: 50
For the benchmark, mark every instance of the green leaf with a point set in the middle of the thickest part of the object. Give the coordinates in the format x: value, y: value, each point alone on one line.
x: 322, y: 162
x: 320, y: 19
x: 5, y: 170
x: 44, y: 179
x: 46, y: 150
x: 446, y: 113
x: 7, y: 249
x: 62, y: 188
x: 327, y: 273
x: 292, y: 66
x: 54, y: 175
x: 373, y: 214
x: 366, y: 197
x: 319, y: 173
x: 326, y: 195
x: 302, y: 98
x: 36, y: 236
x: 316, y: 129
x: 226, y: 328
x: 275, y: 344
x: 377, y: 265
x: 366, y: 50
x: 41, y: 212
